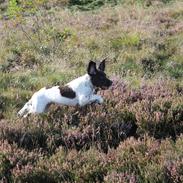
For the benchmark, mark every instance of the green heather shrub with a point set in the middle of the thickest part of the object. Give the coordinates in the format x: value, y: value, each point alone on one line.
x: 128, y: 68
x: 93, y: 4
x: 161, y: 59
x: 126, y: 40
x: 92, y: 45
x: 175, y: 70
x: 178, y: 13
x: 90, y: 4
x: 150, y: 2
x: 13, y: 8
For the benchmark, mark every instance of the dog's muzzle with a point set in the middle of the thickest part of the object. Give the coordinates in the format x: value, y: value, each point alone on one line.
x: 108, y: 84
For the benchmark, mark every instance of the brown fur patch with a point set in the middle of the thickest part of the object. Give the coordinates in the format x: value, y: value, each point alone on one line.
x: 65, y: 91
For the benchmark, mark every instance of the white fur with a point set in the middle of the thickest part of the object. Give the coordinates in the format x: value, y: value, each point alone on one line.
x: 82, y: 86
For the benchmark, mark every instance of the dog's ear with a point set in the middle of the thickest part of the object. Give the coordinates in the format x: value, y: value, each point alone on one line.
x: 92, y: 70
x: 102, y: 65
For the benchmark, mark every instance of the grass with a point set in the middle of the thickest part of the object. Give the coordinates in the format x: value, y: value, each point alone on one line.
x: 51, y: 44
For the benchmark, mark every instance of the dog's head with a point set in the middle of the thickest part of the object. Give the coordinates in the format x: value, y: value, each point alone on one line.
x: 98, y: 76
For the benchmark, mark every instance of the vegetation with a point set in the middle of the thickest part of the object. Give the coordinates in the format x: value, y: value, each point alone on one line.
x: 136, y: 135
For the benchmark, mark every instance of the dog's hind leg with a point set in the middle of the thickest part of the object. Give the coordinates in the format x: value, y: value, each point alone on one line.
x: 39, y: 104
x: 25, y: 109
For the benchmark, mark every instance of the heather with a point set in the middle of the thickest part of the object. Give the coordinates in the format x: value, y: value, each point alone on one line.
x: 136, y: 134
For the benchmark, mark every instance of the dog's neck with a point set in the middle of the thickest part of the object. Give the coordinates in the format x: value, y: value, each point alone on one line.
x: 87, y: 80
x: 82, y: 82
x: 95, y: 89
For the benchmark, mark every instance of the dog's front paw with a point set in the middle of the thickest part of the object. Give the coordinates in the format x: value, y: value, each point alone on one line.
x: 99, y: 100
x: 96, y: 99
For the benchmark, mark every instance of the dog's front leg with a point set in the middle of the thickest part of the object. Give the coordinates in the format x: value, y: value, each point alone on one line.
x: 83, y: 100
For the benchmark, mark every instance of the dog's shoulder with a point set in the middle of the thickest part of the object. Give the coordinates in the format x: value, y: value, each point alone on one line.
x: 81, y: 84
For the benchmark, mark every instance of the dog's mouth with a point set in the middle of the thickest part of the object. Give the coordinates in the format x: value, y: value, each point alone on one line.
x: 107, y: 85
x: 104, y: 87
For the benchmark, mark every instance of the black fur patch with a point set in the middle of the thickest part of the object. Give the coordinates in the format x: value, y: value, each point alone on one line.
x: 65, y: 91
x: 100, y: 80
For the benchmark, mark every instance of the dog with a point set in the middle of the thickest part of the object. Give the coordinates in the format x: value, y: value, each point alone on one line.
x: 80, y: 91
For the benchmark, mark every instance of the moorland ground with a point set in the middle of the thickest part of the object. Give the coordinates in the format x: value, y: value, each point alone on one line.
x: 47, y: 43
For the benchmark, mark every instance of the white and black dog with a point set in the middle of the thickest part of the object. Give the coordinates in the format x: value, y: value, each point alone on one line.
x: 80, y: 91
